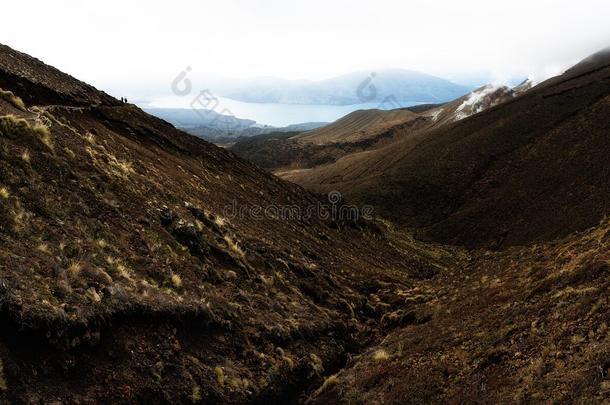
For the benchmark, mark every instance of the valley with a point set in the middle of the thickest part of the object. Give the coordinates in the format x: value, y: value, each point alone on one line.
x: 481, y: 277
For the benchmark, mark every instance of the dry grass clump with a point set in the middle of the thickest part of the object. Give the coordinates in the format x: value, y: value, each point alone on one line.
x: 25, y: 156
x: 89, y: 138
x: 220, y: 375
x: 44, y: 134
x: 176, y: 280
x: 316, y: 364
x: 13, y: 99
x: 13, y: 127
x: 328, y: 382
x: 381, y: 355
x: 4, y: 194
x: 74, y: 269
x: 234, y: 246
x: 196, y: 395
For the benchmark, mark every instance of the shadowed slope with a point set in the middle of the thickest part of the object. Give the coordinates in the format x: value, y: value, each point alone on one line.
x: 531, y: 168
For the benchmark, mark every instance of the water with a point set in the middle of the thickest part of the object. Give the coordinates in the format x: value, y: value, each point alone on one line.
x: 278, y: 115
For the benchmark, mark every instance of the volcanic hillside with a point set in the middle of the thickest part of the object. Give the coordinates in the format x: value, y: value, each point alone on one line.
x: 128, y: 273
x: 532, y: 168
x: 361, y: 131
x: 136, y: 264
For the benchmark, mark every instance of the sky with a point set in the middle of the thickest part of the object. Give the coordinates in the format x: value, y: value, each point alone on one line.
x: 135, y: 47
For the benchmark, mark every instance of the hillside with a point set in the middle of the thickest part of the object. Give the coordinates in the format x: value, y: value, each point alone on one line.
x: 361, y: 131
x: 539, y: 159
x: 357, y: 126
x: 218, y: 128
x: 127, y: 276
x: 357, y: 131
x: 527, y: 325
x: 139, y: 264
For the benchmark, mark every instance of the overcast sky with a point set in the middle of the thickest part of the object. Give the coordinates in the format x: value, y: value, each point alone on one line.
x: 139, y: 45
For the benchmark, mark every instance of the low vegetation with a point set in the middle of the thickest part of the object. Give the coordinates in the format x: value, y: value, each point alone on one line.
x: 16, y: 101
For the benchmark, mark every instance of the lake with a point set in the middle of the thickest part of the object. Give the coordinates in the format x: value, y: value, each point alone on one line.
x: 278, y: 115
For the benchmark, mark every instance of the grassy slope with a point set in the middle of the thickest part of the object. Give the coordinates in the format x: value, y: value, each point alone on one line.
x: 123, y: 277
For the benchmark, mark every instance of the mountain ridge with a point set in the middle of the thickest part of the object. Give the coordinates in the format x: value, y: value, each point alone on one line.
x: 439, y: 176
x: 381, y: 86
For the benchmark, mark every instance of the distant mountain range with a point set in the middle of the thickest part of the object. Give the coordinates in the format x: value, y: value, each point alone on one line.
x: 186, y: 118
x: 384, y: 86
x: 223, y: 129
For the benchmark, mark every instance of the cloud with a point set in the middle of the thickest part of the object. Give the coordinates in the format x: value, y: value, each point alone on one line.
x: 123, y: 45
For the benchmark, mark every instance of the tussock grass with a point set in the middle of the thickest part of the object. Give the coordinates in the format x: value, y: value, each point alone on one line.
x: 196, y: 394
x: 176, y: 280
x: 328, y: 382
x: 89, y: 138
x: 44, y: 248
x: 220, y: 375
x: 233, y: 246
x: 25, y: 156
x: 381, y: 355
x: 14, y: 127
x: 13, y: 99
x: 74, y: 269
x: 44, y: 134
